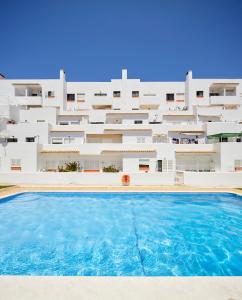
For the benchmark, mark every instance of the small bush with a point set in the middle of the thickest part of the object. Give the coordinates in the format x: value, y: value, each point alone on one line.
x: 71, y: 166
x: 61, y: 169
x: 110, y: 169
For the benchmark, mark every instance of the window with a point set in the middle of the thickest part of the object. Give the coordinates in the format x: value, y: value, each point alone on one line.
x: 135, y: 94
x: 40, y: 121
x: 30, y: 139
x: 211, y: 94
x: 15, y: 164
x: 63, y: 123
x: 51, y: 94
x: 238, y: 165
x: 100, y: 94
x: 70, y: 97
x: 56, y: 140
x: 138, y: 122
x: 180, y: 97
x: 159, y: 165
x: 20, y: 91
x: 140, y: 139
x: 170, y: 97
x: 75, y: 122
x: 12, y: 140
x: 230, y: 92
x: 80, y: 97
x: 69, y: 140
x: 199, y: 94
x: 116, y: 94
x: 91, y: 165
x: 167, y: 165
x: 150, y: 94
x: 144, y: 165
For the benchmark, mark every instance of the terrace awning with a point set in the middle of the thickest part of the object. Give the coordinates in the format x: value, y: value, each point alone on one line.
x: 129, y: 151
x: 188, y: 151
x: 191, y: 133
x: 60, y: 151
x: 225, y: 135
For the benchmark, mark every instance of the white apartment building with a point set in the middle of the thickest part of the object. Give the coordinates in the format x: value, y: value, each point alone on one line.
x: 158, y: 133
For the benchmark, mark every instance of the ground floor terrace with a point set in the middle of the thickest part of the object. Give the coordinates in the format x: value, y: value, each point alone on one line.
x: 108, y: 161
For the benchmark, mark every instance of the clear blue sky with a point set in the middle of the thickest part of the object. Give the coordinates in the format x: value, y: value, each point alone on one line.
x: 157, y: 40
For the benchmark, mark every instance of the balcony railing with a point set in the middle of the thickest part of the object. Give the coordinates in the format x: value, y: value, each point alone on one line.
x: 29, y: 100
x: 220, y: 100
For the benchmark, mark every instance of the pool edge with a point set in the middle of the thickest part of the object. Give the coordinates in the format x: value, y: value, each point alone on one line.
x: 117, y: 288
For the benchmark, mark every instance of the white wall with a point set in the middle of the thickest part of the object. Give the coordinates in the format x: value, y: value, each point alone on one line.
x: 26, y: 152
x: 211, y: 179
x: 131, y: 161
x: 229, y: 152
x: 132, y: 137
x: 89, y: 179
x: 23, y: 130
x: 78, y: 136
x: 33, y: 114
x: 222, y: 127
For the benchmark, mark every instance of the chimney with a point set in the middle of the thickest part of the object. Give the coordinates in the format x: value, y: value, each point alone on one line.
x: 189, y: 74
x: 124, y: 74
x: 62, y: 74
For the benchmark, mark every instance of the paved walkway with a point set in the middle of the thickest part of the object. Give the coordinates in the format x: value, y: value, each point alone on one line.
x: 120, y: 288
x: 39, y: 188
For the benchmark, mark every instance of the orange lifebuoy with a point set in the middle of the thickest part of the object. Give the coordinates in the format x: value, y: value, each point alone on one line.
x: 126, y: 179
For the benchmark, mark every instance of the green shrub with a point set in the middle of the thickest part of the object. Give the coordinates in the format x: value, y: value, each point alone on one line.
x: 71, y: 166
x: 61, y: 169
x: 110, y: 169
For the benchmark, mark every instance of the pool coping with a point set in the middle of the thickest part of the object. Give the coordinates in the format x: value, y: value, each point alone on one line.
x: 15, y: 190
x: 120, y: 288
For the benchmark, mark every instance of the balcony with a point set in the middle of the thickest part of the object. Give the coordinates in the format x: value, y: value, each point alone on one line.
x: 225, y: 100
x: 195, y: 148
x: 104, y: 138
x: 149, y: 102
x: 101, y: 100
x: 29, y: 100
x: 28, y: 94
x: 222, y: 127
x: 224, y: 93
x: 209, y: 111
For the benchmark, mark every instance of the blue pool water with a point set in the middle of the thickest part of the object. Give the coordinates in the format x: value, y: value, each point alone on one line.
x: 121, y: 234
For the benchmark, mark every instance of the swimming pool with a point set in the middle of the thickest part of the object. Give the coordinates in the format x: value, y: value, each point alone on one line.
x: 121, y: 234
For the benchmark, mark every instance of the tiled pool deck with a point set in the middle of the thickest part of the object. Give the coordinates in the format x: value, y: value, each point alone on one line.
x: 39, y: 188
x: 115, y: 288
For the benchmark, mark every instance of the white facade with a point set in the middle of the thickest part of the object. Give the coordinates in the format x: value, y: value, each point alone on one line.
x: 157, y: 132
